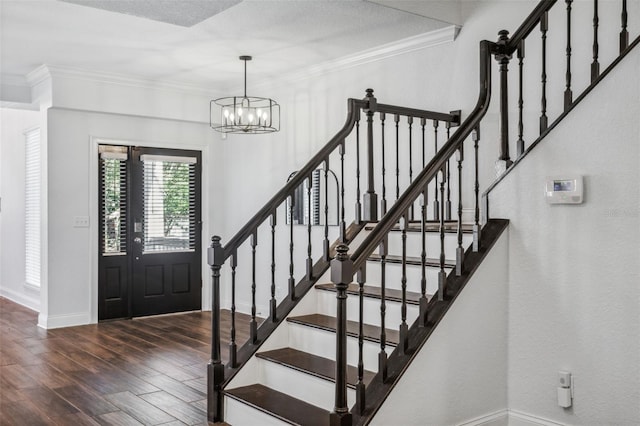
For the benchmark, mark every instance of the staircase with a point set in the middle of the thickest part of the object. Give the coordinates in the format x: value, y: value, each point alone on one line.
x: 364, y: 293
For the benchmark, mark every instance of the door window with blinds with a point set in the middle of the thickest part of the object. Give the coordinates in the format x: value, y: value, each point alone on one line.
x: 169, y: 203
x: 113, y: 176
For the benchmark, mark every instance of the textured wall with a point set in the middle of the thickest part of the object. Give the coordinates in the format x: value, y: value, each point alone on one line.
x: 574, y: 274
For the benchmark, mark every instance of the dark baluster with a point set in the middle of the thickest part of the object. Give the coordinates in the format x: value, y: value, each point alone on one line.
x: 370, y: 197
x: 292, y: 280
x: 253, y: 325
x: 423, y: 123
x: 520, y: 143
x: 503, y: 59
x: 595, y: 65
x: 410, y: 122
x: 309, y: 238
x: 568, y: 94
x: 442, y: 275
x: 273, y: 304
x: 544, y: 27
x: 215, y: 368
x: 360, y: 387
x: 624, y: 34
x: 423, y: 259
x: 396, y: 118
x: 233, y: 348
x: 383, y: 203
x: 448, y: 202
x: 341, y: 276
x: 404, y: 328
x: 475, y: 135
x: 325, y: 248
x: 358, y: 205
x: 436, y: 202
x: 343, y: 224
x: 460, y: 249
x: 382, y: 356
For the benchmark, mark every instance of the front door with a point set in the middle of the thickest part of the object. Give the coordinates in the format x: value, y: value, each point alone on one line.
x: 150, y: 231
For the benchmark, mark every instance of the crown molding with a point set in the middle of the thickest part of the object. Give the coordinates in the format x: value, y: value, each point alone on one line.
x: 46, y: 71
x: 410, y: 44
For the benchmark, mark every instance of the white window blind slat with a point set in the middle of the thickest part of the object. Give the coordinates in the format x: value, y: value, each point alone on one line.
x: 32, y: 207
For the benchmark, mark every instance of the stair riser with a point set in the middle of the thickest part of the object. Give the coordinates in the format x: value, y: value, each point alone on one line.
x: 323, y: 343
x: 414, y: 244
x: 327, y: 306
x: 238, y: 413
x: 311, y: 389
x: 394, y: 276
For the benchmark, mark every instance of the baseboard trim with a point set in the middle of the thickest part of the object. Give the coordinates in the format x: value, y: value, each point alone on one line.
x: 67, y: 320
x: 498, y: 418
x: 518, y: 418
x: 32, y: 303
x: 509, y: 418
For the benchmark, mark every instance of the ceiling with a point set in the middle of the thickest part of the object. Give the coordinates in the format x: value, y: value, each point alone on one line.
x: 197, y: 42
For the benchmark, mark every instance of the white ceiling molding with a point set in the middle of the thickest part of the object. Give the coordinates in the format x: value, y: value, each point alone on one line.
x: 389, y: 50
x: 51, y: 71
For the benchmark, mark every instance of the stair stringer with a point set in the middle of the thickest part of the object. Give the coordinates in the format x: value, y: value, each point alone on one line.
x: 461, y: 373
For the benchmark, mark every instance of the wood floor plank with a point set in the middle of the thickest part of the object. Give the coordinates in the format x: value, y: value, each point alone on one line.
x: 85, y: 400
x: 139, y: 409
x: 117, y: 418
x: 183, y: 411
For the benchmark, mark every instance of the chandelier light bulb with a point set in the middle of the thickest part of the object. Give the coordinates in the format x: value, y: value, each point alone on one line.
x: 239, y: 112
x: 226, y: 113
x: 250, y: 117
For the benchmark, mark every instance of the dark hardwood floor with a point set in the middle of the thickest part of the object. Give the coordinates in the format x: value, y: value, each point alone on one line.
x: 147, y: 371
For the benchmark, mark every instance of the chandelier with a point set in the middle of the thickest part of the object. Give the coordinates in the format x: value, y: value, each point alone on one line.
x: 244, y: 114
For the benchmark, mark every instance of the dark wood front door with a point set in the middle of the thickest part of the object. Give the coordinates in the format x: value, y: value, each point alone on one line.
x: 150, y: 232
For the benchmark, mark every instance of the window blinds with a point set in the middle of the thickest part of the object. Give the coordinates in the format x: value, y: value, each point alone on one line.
x: 32, y: 207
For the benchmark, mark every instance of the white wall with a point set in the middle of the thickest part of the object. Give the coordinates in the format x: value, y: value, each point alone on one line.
x: 574, y: 270
x: 13, y: 123
x: 461, y: 372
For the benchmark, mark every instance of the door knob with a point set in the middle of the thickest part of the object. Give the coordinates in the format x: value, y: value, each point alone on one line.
x: 137, y: 240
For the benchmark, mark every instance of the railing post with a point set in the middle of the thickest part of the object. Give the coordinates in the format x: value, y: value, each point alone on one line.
x: 503, y: 59
x: 370, y: 198
x: 341, y: 276
x: 215, y: 368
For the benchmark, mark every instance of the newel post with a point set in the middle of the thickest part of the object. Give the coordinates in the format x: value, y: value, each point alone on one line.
x: 341, y: 276
x: 215, y: 368
x: 370, y: 200
x: 503, y: 59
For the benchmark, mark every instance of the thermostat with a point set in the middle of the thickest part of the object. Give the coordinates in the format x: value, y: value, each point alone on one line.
x: 564, y: 190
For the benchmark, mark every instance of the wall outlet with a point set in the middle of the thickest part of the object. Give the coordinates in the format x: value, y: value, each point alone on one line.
x: 81, y: 221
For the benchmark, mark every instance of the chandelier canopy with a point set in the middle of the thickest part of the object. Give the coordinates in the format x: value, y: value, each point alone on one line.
x: 244, y: 114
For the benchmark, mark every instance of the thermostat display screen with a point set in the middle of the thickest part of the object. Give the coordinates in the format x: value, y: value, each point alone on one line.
x: 567, y: 189
x: 563, y: 185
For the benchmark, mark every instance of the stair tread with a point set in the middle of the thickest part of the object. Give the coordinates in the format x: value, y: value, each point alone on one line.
x: 393, y: 295
x: 450, y: 226
x: 325, y: 322
x: 315, y: 365
x: 280, y: 405
x: 413, y: 260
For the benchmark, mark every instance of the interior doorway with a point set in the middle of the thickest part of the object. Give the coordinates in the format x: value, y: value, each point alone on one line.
x: 150, y: 250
